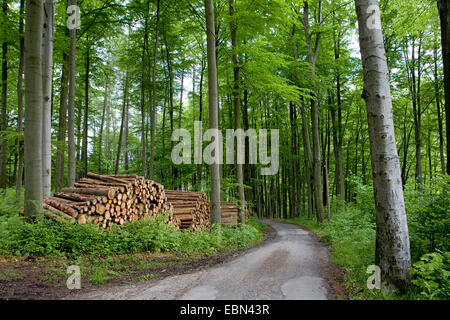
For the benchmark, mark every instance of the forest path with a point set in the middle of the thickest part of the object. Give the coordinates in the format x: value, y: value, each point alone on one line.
x: 287, y: 267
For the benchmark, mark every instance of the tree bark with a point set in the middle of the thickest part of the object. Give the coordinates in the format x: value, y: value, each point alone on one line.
x: 59, y: 179
x: 33, y: 100
x: 84, y: 153
x: 47, y: 65
x: 237, y: 108
x: 200, y: 118
x: 392, y: 241
x: 143, y: 116
x: 444, y: 14
x: 316, y: 164
x: 19, y: 143
x: 213, y: 107
x: 439, y: 116
x: 100, y: 153
x: 337, y: 128
x: 4, y: 121
x: 153, y: 107
x: 71, y: 105
x: 124, y: 106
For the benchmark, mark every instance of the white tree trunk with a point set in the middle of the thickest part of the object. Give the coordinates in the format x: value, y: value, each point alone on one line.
x: 213, y: 107
x: 392, y: 241
x: 33, y: 112
x: 71, y: 105
x: 47, y: 63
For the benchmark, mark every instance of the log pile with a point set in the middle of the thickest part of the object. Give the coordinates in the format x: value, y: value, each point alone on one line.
x: 191, y: 210
x: 109, y: 199
x: 230, y: 213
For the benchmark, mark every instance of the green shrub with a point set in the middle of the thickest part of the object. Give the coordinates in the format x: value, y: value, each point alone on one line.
x: 428, y: 214
x: 46, y: 237
x: 431, y: 275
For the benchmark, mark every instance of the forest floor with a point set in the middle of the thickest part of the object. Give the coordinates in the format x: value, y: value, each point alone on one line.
x: 293, y: 265
x: 45, y: 278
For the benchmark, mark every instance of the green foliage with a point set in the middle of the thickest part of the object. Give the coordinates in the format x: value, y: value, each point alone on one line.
x: 46, y: 237
x: 8, y: 203
x: 429, y: 217
x: 352, y: 229
x: 431, y: 275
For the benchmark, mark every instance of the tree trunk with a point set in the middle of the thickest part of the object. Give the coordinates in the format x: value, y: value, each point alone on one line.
x: 59, y: 181
x: 84, y: 157
x: 316, y: 164
x: 444, y: 13
x: 153, y: 107
x: 308, y: 158
x: 392, y: 241
x: 237, y: 109
x: 19, y: 143
x: 337, y: 128
x: 124, y: 106
x: 439, y: 116
x: 47, y: 64
x: 33, y: 115
x: 200, y: 118
x: 125, y: 144
x: 213, y: 108
x: 71, y: 105
x: 143, y: 117
x: 105, y: 103
x: 4, y: 121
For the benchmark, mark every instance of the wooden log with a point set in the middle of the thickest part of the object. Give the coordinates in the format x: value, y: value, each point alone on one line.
x: 60, y: 206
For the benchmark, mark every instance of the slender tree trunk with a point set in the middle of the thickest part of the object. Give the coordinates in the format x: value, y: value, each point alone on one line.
x: 33, y: 115
x: 19, y: 143
x: 144, y: 131
x: 308, y: 158
x: 153, y: 107
x: 59, y: 181
x: 4, y: 121
x: 237, y: 108
x: 47, y: 64
x: 124, y: 106
x: 213, y: 107
x: 71, y: 105
x: 100, y: 143
x: 337, y: 128
x: 392, y: 241
x: 439, y: 116
x: 84, y: 157
x: 316, y: 165
x: 444, y: 13
x: 200, y: 118
x: 125, y: 144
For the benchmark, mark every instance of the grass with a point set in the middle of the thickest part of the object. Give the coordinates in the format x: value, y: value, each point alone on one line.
x: 11, y: 275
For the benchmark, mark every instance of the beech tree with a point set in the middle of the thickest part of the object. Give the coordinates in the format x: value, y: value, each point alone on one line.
x: 33, y: 110
x: 213, y: 109
x: 47, y: 75
x: 444, y: 14
x: 71, y: 103
x: 392, y: 253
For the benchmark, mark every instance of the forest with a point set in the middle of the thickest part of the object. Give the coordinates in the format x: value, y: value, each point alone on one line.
x: 349, y: 103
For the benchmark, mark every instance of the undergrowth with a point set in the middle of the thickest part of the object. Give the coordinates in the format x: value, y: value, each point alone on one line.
x: 351, y: 234
x: 45, y: 237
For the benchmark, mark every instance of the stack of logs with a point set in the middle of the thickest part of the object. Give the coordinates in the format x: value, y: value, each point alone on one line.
x: 229, y: 213
x: 191, y: 210
x: 109, y: 199
x: 115, y: 199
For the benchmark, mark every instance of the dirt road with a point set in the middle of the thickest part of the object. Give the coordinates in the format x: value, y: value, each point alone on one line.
x: 288, y: 267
